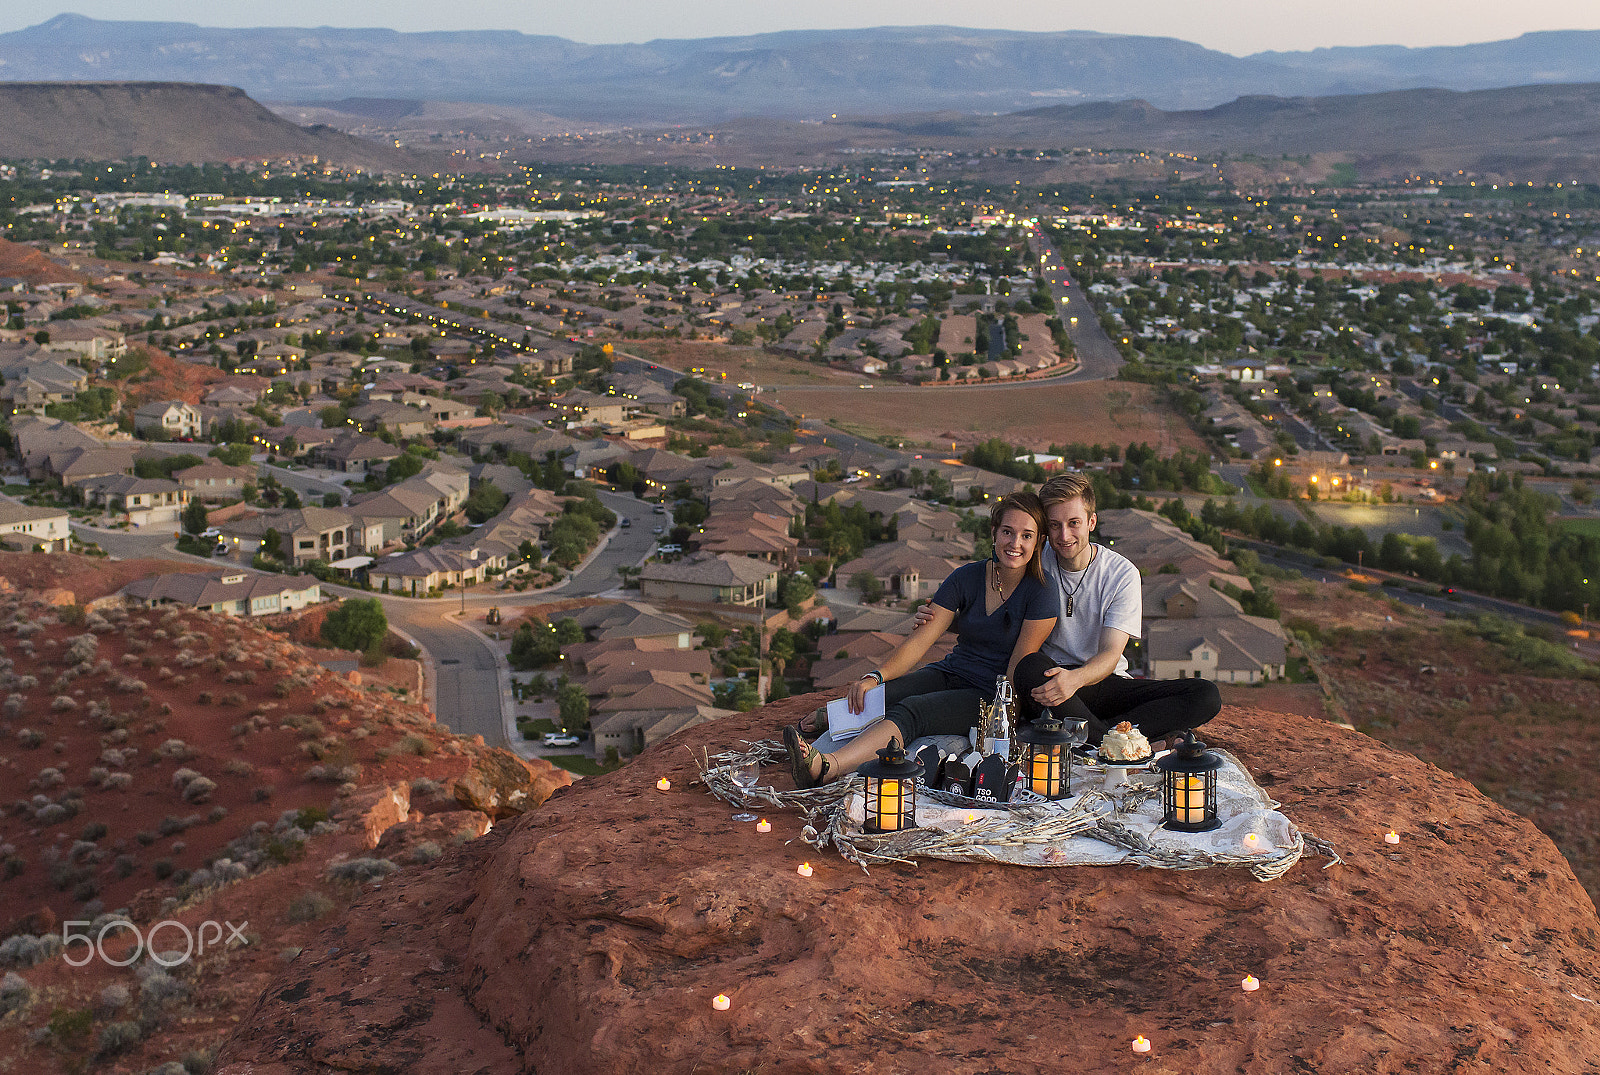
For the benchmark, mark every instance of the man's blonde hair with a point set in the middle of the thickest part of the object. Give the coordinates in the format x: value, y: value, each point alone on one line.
x: 1065, y: 487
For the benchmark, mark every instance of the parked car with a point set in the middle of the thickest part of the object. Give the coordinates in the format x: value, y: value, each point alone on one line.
x: 660, y: 509
x: 659, y: 529
x: 559, y: 739
x: 210, y: 532
x: 668, y: 550
x: 626, y: 522
x: 221, y: 549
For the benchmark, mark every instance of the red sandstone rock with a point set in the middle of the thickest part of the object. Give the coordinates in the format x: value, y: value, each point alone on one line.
x: 445, y: 829
x: 375, y: 810
x: 591, y: 935
x: 501, y: 784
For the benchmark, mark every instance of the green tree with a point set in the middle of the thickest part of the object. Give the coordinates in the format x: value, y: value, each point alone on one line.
x: 568, y: 631
x: 358, y: 624
x: 865, y: 581
x: 232, y: 455
x: 573, y: 705
x: 533, y: 646
x: 485, y: 503
x: 194, y: 517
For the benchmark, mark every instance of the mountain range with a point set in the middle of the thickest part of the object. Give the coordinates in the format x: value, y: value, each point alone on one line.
x: 795, y: 74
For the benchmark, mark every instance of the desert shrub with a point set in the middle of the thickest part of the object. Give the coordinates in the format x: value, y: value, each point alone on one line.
x: 175, y: 750
x: 309, y: 906
x: 199, y: 789
x: 238, y: 767
x: 416, y: 745
x: 62, y: 704
x: 261, y: 794
x: 30, y: 738
x: 52, y: 814
x: 23, y: 950
x: 231, y: 698
x: 240, y: 675
x: 119, y: 781
x: 48, y: 778
x: 116, y: 1037
x: 204, y: 697
x: 181, y: 778
x: 421, y: 786
x: 146, y: 837
x: 171, y: 825
x: 114, y: 997
x: 13, y: 867
x: 12, y: 708
x: 15, y: 993
x: 361, y: 870
x: 426, y: 851
x: 95, y: 830
x: 162, y: 869
x: 82, y: 648
x: 125, y: 865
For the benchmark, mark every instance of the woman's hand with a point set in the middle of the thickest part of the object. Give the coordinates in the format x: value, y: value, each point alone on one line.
x: 858, y: 692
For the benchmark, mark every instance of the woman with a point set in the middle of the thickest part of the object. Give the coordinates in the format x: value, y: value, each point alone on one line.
x: 1002, y: 611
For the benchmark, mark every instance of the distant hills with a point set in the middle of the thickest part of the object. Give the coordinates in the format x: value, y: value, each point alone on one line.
x: 169, y: 122
x: 797, y: 74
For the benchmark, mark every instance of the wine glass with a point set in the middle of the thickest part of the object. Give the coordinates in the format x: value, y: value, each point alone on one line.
x: 746, y: 777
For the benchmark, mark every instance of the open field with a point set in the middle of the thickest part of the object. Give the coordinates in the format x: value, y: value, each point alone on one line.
x: 739, y: 363
x: 1032, y: 415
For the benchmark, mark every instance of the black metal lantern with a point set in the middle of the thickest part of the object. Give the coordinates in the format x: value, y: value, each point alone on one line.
x: 1047, y: 758
x: 891, y: 790
x: 1189, y: 787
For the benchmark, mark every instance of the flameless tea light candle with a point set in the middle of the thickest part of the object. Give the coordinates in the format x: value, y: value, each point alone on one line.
x: 1391, y: 837
x: 763, y: 825
x: 1250, y: 984
x: 1252, y: 842
x: 1141, y: 1044
x: 664, y: 784
x: 804, y: 869
x: 721, y: 1003
x: 971, y: 817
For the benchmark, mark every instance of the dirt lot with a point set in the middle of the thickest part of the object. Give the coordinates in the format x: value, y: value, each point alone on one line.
x: 1035, y: 416
x: 739, y: 363
x: 1503, y: 714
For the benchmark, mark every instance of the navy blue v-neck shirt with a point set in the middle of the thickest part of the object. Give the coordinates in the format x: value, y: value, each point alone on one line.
x: 983, y: 642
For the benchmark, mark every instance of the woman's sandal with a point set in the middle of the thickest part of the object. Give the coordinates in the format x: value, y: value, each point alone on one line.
x: 800, y: 755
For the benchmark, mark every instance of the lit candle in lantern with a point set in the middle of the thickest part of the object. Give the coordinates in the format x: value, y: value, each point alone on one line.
x: 804, y: 870
x: 763, y: 825
x: 721, y: 1003
x: 1141, y: 1044
x: 1192, y: 799
x: 663, y: 784
x: 971, y: 817
x: 1391, y: 837
x: 1252, y: 842
x: 1250, y: 984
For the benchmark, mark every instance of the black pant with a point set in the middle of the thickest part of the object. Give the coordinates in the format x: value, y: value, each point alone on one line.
x: 930, y: 701
x: 1157, y: 707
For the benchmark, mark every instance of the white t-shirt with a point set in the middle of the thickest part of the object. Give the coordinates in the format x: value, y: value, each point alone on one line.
x: 1107, y: 593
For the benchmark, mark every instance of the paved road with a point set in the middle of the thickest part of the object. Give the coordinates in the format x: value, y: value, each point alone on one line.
x: 466, y: 687
x: 1098, y: 357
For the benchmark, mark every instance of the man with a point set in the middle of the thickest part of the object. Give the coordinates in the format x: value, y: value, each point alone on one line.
x: 1081, y: 671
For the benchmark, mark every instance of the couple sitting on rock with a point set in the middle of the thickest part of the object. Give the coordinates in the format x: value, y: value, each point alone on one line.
x: 1052, y: 615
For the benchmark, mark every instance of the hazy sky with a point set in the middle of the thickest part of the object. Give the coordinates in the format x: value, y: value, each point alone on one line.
x: 1236, y: 26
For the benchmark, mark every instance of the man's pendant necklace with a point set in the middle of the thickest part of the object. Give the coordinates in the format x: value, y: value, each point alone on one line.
x: 1066, y: 610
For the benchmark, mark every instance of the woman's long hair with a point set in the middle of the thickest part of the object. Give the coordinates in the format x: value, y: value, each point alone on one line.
x: 1031, y: 506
